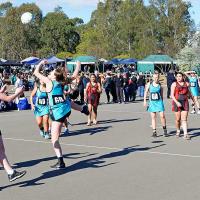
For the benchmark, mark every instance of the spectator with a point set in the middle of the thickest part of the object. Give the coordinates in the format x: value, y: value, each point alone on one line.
x: 170, y: 79
x: 141, y: 85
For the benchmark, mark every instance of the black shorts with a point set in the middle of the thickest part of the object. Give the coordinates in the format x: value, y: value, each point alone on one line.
x: 0, y: 132
x: 62, y: 120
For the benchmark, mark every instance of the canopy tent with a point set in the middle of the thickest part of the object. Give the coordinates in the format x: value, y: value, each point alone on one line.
x: 114, y: 61
x: 54, y: 60
x: 50, y: 60
x: 85, y: 60
x: 30, y: 60
x: 103, y: 60
x: 10, y: 63
x: 122, y: 61
x: 2, y: 60
x: 128, y: 61
x: 153, y: 62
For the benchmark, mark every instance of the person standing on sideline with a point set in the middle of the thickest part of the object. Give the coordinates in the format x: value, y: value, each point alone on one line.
x: 180, y: 104
x: 170, y: 79
x: 194, y: 89
x: 119, y: 82
x: 93, y: 89
x: 107, y: 86
x: 141, y: 85
x: 12, y: 174
x: 155, y: 103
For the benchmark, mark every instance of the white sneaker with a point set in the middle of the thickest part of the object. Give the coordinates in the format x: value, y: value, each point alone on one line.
x: 193, y: 112
x: 198, y: 112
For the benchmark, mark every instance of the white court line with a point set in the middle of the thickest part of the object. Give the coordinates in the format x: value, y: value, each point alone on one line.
x: 109, y: 148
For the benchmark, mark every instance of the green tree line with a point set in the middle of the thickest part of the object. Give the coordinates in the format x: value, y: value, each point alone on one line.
x: 117, y: 28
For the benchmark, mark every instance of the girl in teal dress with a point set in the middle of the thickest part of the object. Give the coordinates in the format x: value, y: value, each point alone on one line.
x: 155, y: 103
x: 41, y: 108
x: 59, y: 106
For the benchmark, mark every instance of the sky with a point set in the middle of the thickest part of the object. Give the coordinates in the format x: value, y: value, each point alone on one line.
x: 84, y: 8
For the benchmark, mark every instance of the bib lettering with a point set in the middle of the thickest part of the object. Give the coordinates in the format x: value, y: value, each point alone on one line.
x: 58, y: 99
x: 193, y: 84
x: 155, y: 96
x: 42, y: 101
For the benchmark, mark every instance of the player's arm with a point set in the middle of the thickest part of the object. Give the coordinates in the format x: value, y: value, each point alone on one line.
x: 145, y: 93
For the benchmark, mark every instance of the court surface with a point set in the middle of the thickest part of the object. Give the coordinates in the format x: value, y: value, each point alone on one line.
x: 114, y: 160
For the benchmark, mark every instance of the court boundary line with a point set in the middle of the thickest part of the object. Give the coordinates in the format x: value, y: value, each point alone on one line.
x: 107, y: 148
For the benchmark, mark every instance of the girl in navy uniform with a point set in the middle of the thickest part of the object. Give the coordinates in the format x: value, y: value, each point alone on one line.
x: 59, y: 107
x: 41, y: 108
x: 155, y: 103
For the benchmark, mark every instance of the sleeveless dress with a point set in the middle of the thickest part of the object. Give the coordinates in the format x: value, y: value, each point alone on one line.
x: 194, y: 86
x: 93, y: 95
x: 41, y: 104
x: 181, y: 95
x: 155, y: 100
x: 58, y: 105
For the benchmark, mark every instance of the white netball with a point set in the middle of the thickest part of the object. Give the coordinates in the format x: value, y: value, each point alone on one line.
x: 26, y: 18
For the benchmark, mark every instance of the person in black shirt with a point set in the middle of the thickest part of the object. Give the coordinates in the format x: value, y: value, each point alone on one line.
x: 170, y: 79
x: 141, y: 85
x: 119, y: 82
x: 107, y: 86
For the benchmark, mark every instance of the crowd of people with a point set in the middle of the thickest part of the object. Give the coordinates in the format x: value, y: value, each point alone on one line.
x: 56, y: 94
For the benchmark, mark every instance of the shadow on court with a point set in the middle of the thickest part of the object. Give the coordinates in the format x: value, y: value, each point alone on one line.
x: 90, y: 131
x: 96, y: 162
x: 110, y: 121
x: 192, y: 135
x: 39, y: 161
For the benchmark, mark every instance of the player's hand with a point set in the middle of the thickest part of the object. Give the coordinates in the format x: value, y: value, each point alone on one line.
x: 179, y: 104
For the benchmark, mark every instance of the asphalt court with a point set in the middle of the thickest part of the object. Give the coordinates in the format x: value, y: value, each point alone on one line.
x: 117, y: 159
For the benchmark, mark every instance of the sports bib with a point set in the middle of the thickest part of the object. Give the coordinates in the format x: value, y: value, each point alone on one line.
x: 155, y: 96
x: 193, y: 84
x: 58, y: 99
x: 42, y: 101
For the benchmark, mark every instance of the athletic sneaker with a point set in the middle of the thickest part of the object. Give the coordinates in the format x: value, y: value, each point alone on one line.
x: 16, y: 175
x: 154, y: 134
x: 198, y: 112
x: 85, y: 110
x: 42, y: 133
x: 165, y: 133
x: 47, y: 136
x: 59, y: 165
x: 193, y: 112
x: 66, y: 132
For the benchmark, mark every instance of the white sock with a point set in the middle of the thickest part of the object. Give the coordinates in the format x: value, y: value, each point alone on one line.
x: 10, y: 172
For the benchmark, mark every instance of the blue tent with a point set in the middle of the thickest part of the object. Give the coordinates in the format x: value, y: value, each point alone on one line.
x: 114, y: 61
x: 128, y: 61
x: 50, y: 60
x: 121, y: 61
x: 30, y: 60
x: 54, y: 59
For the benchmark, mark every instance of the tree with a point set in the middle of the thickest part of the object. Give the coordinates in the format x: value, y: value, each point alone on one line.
x: 58, y: 33
x: 18, y: 40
